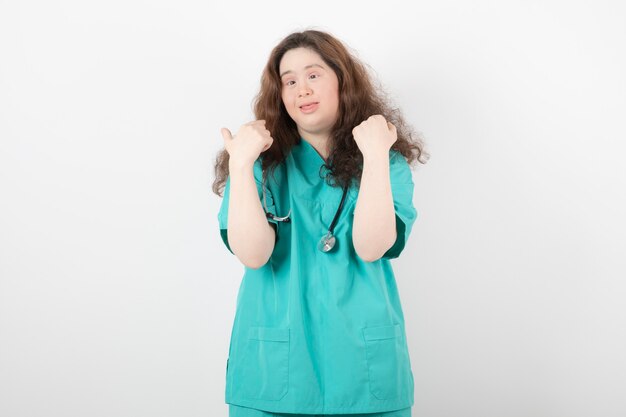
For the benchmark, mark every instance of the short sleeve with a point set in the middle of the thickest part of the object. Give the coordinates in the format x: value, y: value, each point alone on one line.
x: 402, y: 187
x: 222, y: 215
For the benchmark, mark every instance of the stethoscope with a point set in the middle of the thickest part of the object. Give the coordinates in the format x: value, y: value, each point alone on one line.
x: 328, y: 241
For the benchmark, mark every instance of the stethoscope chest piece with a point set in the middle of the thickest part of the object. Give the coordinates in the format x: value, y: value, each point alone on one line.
x: 327, y: 242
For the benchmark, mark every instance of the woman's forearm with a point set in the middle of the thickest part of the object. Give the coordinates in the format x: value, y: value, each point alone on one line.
x: 374, y: 228
x: 250, y: 236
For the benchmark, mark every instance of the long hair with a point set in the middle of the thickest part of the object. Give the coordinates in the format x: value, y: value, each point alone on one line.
x: 358, y: 100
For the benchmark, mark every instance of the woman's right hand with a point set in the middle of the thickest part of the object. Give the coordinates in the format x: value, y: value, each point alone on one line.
x: 250, y: 141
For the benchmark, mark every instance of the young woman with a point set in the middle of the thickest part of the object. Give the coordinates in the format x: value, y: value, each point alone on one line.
x: 317, y: 200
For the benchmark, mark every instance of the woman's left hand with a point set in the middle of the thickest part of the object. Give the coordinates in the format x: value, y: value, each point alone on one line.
x: 375, y: 136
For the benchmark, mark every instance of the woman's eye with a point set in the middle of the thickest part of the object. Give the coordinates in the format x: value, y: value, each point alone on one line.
x: 291, y: 82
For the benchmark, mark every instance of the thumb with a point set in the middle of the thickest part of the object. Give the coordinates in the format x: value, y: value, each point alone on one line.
x: 226, y: 134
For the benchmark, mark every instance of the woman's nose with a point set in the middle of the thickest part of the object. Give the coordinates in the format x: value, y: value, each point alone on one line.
x: 304, y: 91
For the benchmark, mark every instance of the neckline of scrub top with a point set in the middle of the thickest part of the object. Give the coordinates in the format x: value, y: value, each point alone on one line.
x: 310, y: 162
x: 309, y: 159
x: 310, y: 147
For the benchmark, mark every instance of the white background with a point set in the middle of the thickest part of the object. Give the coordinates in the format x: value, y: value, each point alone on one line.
x: 117, y: 294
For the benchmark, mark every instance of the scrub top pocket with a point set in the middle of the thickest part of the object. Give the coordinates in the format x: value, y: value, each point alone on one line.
x: 387, y: 360
x: 266, y: 376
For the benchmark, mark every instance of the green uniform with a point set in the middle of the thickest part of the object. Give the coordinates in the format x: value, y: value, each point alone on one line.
x: 315, y: 332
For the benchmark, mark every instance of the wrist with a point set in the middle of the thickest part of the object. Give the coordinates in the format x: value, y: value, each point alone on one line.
x: 376, y: 158
x: 240, y: 167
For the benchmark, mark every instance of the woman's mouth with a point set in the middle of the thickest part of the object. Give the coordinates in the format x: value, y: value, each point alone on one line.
x: 309, y: 108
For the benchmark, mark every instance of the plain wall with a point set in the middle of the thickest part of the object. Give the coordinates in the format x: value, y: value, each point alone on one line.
x: 117, y: 294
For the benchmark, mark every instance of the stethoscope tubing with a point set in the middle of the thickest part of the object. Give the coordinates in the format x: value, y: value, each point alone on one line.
x: 287, y: 218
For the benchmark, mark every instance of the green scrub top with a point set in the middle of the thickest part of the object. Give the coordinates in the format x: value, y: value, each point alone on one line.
x: 315, y: 332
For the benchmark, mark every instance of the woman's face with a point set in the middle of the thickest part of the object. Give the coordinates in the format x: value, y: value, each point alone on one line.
x: 309, y: 90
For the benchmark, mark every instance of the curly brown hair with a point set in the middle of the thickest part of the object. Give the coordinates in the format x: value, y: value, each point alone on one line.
x: 358, y: 100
